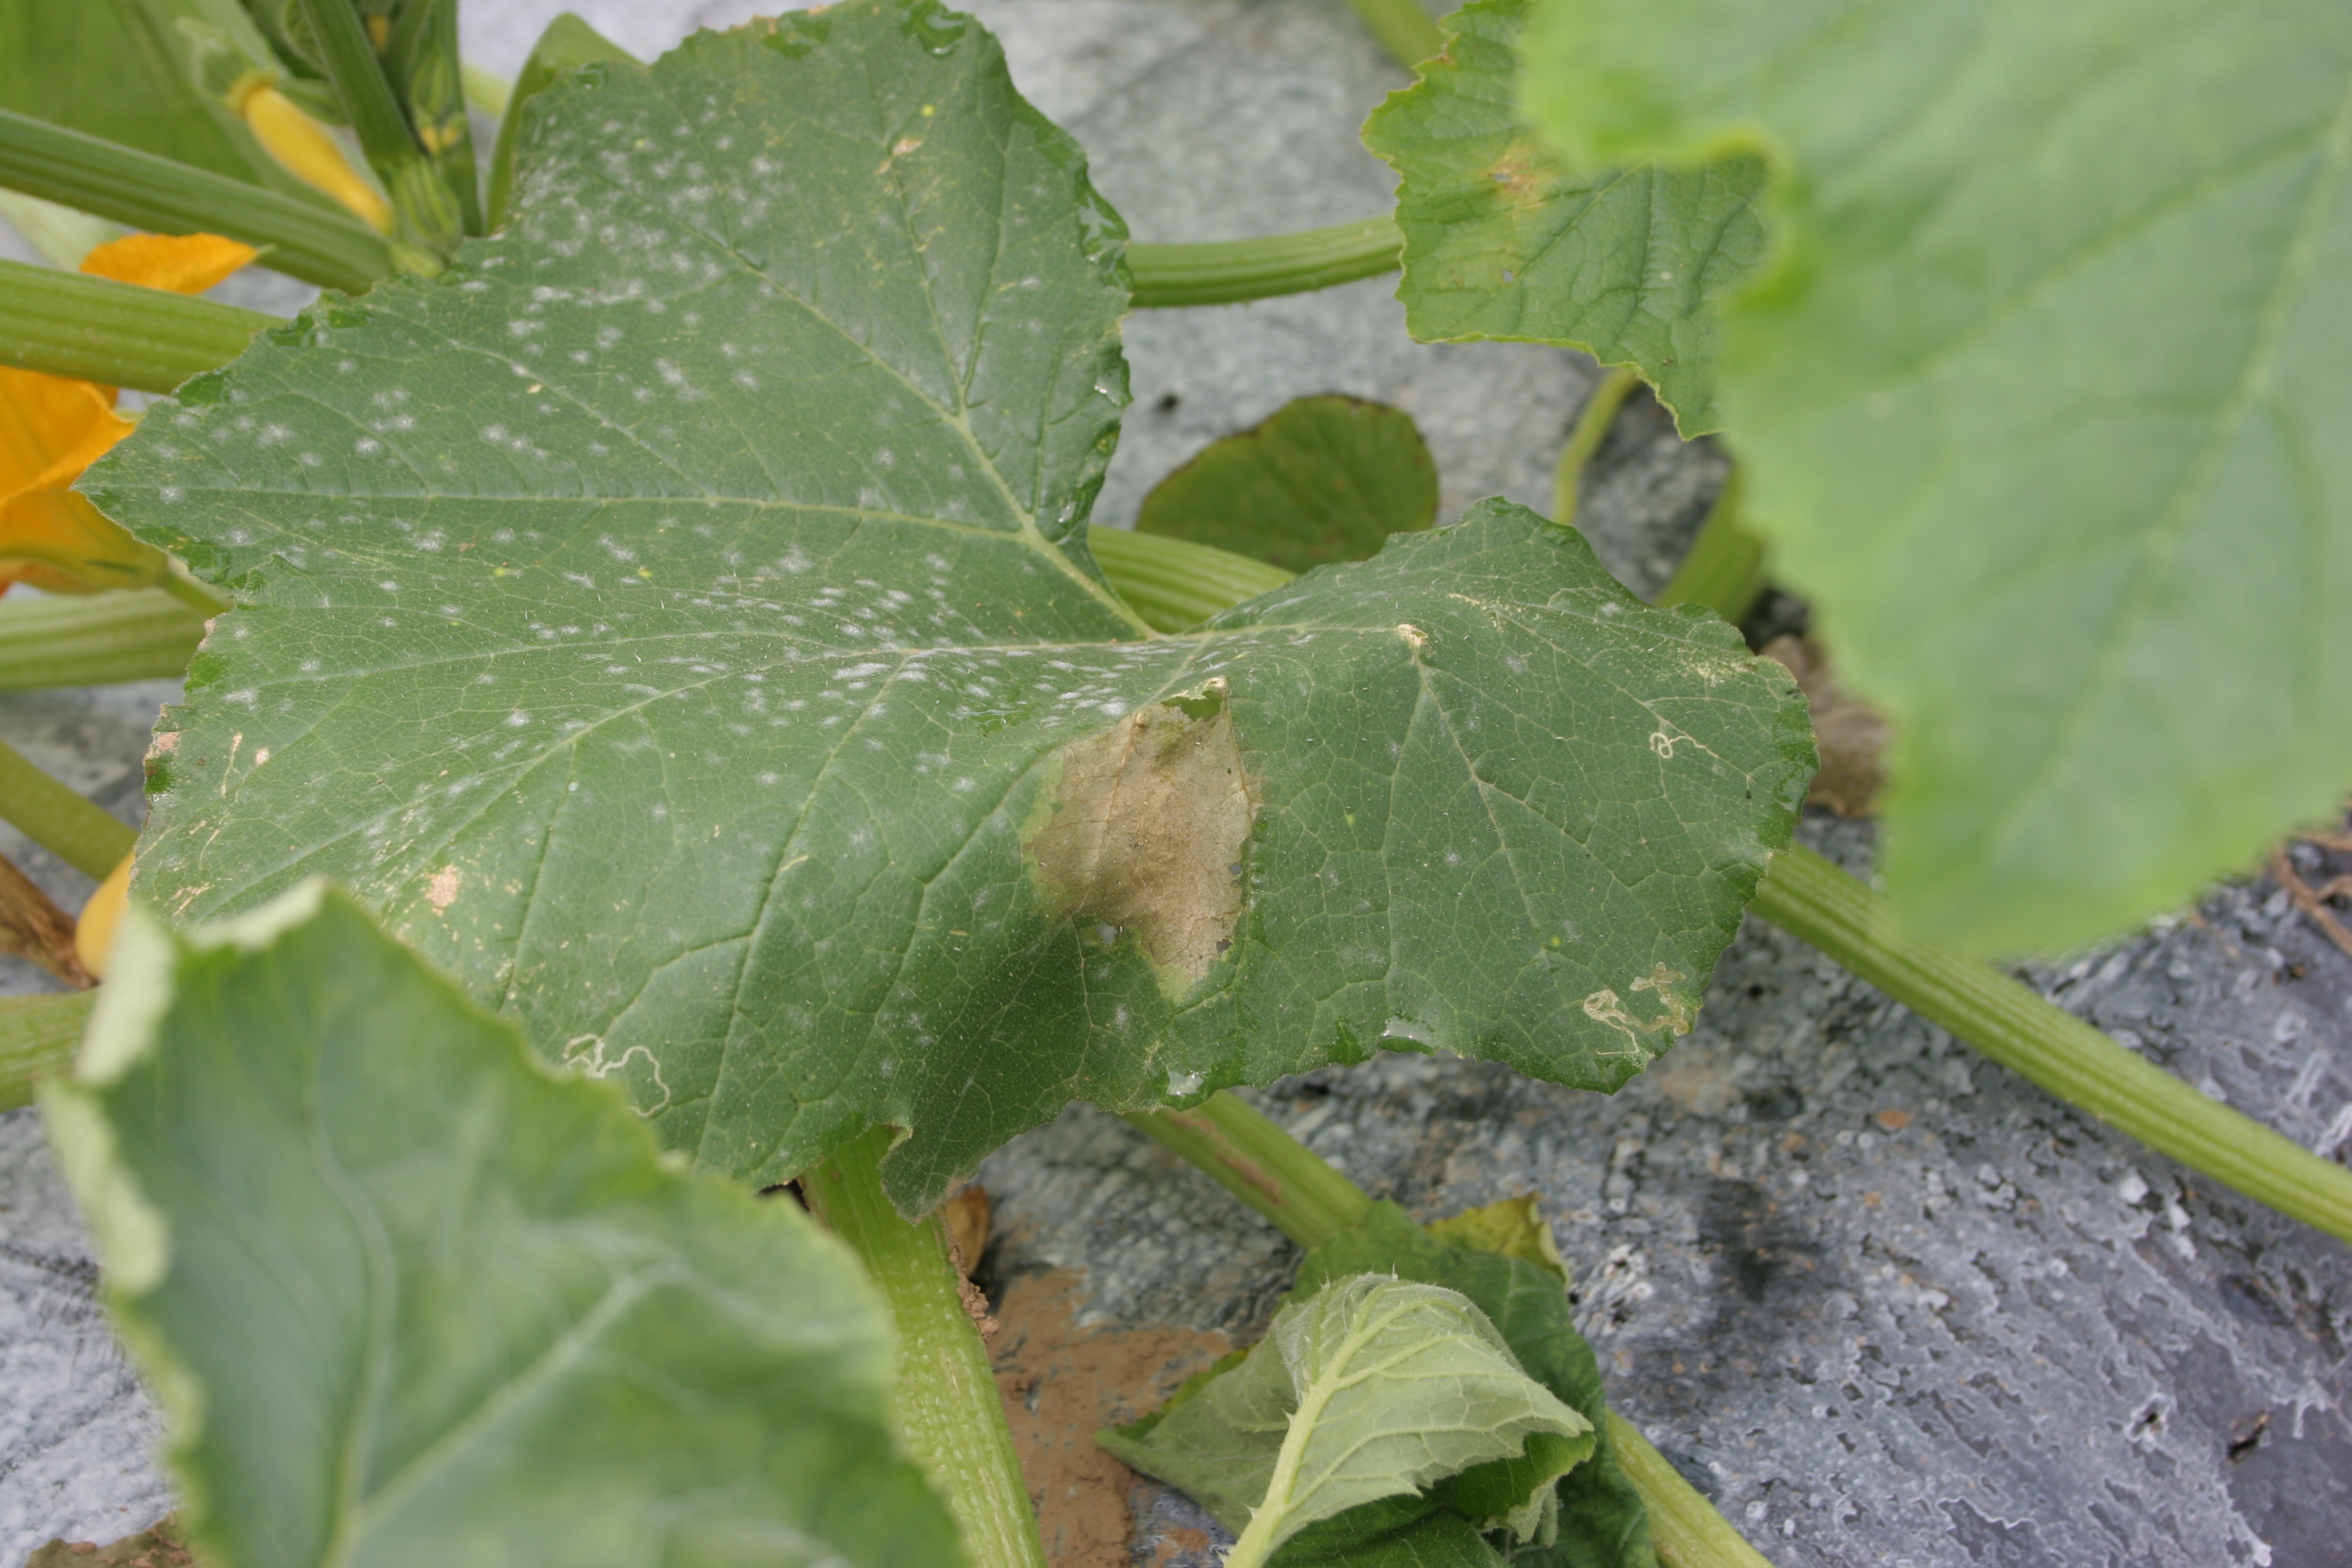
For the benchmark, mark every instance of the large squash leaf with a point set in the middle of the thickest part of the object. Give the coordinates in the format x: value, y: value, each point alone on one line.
x: 677, y: 618
x: 1503, y: 240
x: 2043, y: 406
x: 408, y: 1298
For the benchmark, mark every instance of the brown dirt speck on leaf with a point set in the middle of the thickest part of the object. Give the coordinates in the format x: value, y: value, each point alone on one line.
x: 1061, y: 1384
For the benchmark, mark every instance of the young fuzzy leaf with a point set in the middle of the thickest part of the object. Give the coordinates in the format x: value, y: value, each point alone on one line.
x: 677, y: 619
x: 2043, y: 407
x: 1503, y: 240
x: 408, y: 1297
x: 1321, y: 480
x: 1602, y: 1521
x: 1370, y: 1390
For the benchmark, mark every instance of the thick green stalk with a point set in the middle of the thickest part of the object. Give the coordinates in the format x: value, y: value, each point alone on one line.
x: 1230, y: 1143
x: 1683, y: 1526
x: 1592, y: 425
x: 136, y: 634
x: 90, y: 174
x: 1235, y: 1145
x: 568, y: 44
x: 1225, y: 271
x: 58, y: 820
x: 38, y: 1035
x: 945, y: 1398
x: 430, y: 218
x: 1810, y: 898
x: 1403, y: 29
x: 1174, y: 583
x: 66, y: 323
x: 1724, y: 568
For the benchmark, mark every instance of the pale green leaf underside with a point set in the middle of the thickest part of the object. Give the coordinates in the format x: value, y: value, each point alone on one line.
x: 2045, y: 412
x: 409, y: 1299
x: 1602, y: 1521
x: 673, y: 617
x: 1504, y: 240
x: 1369, y: 1389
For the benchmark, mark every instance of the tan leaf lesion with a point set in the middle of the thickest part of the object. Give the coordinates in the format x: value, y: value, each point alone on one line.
x: 1677, y: 1012
x: 1147, y: 828
x: 1523, y: 174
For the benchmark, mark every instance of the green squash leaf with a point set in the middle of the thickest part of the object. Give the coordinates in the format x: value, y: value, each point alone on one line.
x: 1323, y: 479
x: 1602, y: 1521
x: 1370, y: 1390
x: 677, y: 619
x: 1502, y: 239
x: 408, y: 1297
x: 121, y: 69
x: 2042, y: 407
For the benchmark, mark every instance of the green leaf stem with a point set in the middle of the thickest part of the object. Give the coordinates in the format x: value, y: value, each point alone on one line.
x: 168, y: 197
x: 1812, y: 899
x: 1175, y: 584
x: 1226, y: 272
x: 69, y: 324
x: 431, y: 215
x: 1403, y: 29
x: 944, y: 1401
x: 129, y: 634
x: 2040, y: 406
x: 58, y: 819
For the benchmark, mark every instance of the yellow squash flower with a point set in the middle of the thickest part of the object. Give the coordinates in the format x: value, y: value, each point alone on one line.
x: 52, y: 427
